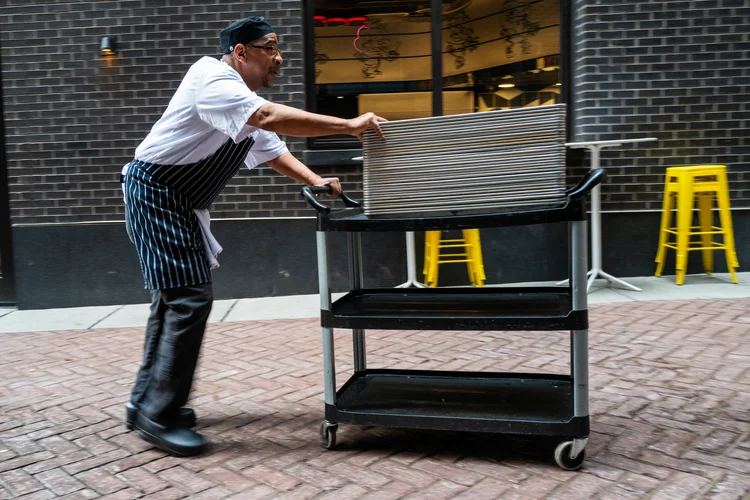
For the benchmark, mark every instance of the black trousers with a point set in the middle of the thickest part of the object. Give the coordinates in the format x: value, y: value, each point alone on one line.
x: 174, y: 334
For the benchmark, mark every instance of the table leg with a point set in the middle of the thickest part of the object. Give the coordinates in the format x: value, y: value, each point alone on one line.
x: 411, y: 265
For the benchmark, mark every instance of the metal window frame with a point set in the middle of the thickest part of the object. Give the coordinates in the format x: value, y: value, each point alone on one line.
x: 566, y: 65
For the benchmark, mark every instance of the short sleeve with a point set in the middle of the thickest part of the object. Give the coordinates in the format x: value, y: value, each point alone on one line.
x: 267, y: 147
x: 225, y: 103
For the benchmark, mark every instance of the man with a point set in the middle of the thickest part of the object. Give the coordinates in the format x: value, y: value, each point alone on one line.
x: 214, y: 123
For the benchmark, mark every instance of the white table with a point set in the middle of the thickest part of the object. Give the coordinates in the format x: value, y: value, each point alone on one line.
x: 596, y: 204
x: 411, y: 266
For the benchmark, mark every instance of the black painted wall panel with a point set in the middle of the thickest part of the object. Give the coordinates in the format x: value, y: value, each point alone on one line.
x: 95, y: 264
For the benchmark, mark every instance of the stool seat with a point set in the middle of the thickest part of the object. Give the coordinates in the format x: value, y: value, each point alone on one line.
x: 467, y: 249
x: 683, y: 186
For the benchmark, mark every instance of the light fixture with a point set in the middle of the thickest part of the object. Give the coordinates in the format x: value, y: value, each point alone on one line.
x: 506, y: 86
x: 108, y: 45
x: 340, y: 97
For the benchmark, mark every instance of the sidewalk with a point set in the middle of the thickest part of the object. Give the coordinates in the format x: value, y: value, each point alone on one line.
x: 718, y: 286
x: 669, y: 403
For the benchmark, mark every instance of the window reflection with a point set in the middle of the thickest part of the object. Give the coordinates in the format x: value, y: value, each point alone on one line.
x: 372, y: 56
x: 505, y: 52
x: 375, y: 55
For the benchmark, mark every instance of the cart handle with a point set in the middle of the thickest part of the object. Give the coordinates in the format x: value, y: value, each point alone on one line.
x: 589, y: 182
x: 308, y: 194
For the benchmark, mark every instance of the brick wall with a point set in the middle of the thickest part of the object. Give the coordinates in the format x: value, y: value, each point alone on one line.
x: 675, y: 70
x: 74, y: 118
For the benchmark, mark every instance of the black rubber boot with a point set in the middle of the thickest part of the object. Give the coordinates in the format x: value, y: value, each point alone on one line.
x: 186, y: 418
x: 177, y: 441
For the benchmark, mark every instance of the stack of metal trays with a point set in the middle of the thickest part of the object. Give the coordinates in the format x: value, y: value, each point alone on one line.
x: 470, y: 163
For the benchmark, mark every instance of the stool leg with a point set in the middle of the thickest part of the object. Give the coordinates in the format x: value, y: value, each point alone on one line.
x: 432, y: 239
x: 685, y: 205
x: 437, y: 240
x: 666, y: 220
x: 706, y: 216
x: 474, y: 262
x: 437, y: 237
x: 725, y: 217
x: 468, y: 241
x: 427, y: 256
x: 479, y: 260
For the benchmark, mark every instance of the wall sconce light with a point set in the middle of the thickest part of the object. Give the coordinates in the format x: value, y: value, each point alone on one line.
x: 108, y: 46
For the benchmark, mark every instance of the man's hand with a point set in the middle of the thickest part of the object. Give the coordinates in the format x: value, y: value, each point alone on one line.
x: 291, y: 167
x: 330, y: 181
x: 361, y: 123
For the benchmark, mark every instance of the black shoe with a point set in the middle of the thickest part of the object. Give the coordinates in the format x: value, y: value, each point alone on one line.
x: 186, y: 417
x: 177, y: 441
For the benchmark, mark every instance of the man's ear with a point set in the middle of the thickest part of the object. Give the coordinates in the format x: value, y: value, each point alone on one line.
x: 240, y: 51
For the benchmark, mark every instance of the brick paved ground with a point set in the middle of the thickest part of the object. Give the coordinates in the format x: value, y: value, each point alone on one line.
x: 670, y: 397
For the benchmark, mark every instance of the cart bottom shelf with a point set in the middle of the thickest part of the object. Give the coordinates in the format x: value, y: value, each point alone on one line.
x: 509, y: 403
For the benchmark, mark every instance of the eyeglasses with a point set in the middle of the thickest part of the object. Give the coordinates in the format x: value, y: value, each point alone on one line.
x: 268, y: 48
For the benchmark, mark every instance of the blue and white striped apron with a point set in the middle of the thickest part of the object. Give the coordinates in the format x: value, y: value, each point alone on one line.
x: 159, y: 205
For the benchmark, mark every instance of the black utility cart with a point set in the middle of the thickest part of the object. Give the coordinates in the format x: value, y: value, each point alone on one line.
x: 510, y: 403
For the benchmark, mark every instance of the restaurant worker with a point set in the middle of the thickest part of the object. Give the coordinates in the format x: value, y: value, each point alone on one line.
x: 214, y: 124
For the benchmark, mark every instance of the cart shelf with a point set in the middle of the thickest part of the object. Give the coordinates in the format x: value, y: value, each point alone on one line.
x: 354, y: 219
x: 539, y: 404
x: 511, y: 308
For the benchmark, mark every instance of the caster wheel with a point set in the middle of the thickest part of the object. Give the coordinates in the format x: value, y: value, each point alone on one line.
x: 562, y: 456
x: 328, y: 435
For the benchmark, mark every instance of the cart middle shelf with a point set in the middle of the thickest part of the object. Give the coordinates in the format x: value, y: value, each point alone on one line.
x: 502, y: 308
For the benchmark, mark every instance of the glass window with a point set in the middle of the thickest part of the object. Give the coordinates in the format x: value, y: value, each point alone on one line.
x: 372, y: 56
x: 500, y: 54
x: 376, y: 55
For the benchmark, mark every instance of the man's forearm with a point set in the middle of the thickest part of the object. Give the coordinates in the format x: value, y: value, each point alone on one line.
x: 291, y: 167
x: 291, y: 121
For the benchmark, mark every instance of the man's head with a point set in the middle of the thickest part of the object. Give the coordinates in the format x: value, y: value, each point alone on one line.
x: 251, y: 47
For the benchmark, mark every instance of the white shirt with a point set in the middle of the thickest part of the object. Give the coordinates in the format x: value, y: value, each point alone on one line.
x: 211, y: 104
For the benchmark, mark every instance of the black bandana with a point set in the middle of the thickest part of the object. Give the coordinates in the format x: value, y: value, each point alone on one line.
x: 243, y: 31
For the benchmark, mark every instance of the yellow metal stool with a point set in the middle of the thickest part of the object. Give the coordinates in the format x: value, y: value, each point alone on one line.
x: 471, y: 254
x: 704, y: 182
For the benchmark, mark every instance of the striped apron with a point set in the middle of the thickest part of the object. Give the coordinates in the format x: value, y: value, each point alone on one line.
x: 159, y: 205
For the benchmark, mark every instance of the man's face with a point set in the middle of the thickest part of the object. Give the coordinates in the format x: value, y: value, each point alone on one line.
x: 260, y: 61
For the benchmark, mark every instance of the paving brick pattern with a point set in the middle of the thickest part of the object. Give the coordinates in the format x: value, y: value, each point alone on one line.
x: 670, y: 399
